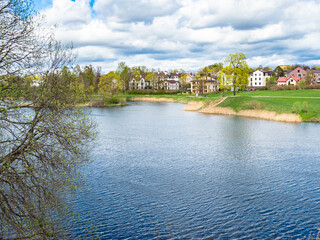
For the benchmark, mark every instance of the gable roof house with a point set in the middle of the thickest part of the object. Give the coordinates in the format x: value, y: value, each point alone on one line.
x: 288, y: 81
x: 300, y: 72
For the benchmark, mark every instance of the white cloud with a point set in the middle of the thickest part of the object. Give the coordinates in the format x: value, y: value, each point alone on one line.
x: 188, y: 33
x: 66, y: 12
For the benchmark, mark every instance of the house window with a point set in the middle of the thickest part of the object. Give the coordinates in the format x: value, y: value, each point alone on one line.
x: 259, y: 78
x: 298, y: 70
x: 255, y: 78
x: 299, y: 74
x: 259, y: 83
x: 255, y: 83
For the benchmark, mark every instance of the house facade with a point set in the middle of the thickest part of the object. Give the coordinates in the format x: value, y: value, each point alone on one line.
x: 316, y: 76
x: 139, y: 84
x: 258, y: 78
x: 172, y: 85
x: 300, y: 72
x: 203, y: 86
x: 288, y: 81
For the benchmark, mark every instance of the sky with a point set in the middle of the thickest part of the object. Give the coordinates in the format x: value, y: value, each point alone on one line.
x: 186, y: 34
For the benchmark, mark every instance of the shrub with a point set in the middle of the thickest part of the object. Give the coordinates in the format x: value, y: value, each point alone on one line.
x: 115, y: 99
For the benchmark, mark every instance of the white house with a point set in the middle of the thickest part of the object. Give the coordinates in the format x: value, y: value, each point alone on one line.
x: 258, y: 78
x: 288, y: 80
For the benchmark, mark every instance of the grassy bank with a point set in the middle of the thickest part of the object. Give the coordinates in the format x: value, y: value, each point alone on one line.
x: 307, y: 108
x: 306, y: 103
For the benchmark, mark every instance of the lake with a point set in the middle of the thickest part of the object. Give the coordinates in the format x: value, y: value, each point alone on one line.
x: 162, y: 173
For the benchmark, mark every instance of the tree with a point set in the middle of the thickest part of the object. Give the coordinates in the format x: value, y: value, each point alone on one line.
x: 123, y: 71
x: 278, y: 72
x: 237, y: 70
x: 310, y: 77
x: 137, y: 77
x: 216, y: 67
x: 44, y: 140
x: 184, y: 83
x: 152, y: 79
x: 87, y: 77
x: 110, y: 84
x: 96, y: 80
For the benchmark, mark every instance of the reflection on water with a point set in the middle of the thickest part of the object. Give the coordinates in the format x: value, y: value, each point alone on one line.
x: 160, y: 172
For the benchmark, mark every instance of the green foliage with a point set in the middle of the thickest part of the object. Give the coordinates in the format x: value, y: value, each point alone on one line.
x: 216, y: 67
x: 110, y: 84
x: 236, y: 73
x: 278, y: 72
x: 124, y: 72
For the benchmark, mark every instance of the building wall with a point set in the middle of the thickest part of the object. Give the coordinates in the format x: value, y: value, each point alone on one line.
x: 297, y: 72
x: 258, y: 78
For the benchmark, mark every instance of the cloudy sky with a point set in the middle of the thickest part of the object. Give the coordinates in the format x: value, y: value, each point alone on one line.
x: 187, y: 34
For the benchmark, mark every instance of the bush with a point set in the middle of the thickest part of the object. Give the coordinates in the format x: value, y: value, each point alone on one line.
x: 115, y: 99
x: 313, y: 86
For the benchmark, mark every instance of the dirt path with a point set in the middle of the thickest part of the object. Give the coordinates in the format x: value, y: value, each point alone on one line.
x: 197, y: 106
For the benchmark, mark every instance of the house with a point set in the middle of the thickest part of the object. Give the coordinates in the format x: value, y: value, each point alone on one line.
x: 288, y: 81
x: 316, y: 76
x: 258, y: 78
x: 203, y: 86
x: 139, y: 84
x: 300, y: 72
x: 174, y: 77
x: 172, y: 85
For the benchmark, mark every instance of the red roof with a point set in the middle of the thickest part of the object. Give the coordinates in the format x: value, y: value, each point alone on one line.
x: 284, y: 79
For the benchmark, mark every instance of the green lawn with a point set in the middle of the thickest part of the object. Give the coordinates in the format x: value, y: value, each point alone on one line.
x: 285, y: 93
x: 308, y: 108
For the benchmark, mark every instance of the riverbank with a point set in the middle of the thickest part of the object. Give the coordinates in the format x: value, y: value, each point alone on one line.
x: 291, y: 109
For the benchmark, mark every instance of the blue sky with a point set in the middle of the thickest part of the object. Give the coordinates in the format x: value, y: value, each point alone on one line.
x: 187, y: 34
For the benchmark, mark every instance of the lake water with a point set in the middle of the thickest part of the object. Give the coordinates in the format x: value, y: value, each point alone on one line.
x: 161, y: 173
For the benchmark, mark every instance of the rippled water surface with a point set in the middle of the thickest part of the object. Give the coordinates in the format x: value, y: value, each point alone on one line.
x: 160, y: 173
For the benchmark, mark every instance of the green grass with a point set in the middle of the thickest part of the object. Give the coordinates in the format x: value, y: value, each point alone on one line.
x: 308, y: 108
x: 284, y: 93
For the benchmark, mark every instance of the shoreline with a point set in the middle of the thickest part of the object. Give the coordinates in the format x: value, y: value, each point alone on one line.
x: 151, y: 99
x: 212, y: 109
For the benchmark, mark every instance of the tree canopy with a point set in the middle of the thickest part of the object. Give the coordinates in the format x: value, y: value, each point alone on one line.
x: 236, y: 73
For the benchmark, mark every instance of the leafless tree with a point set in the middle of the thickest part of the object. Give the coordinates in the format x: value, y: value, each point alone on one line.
x: 43, y: 137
